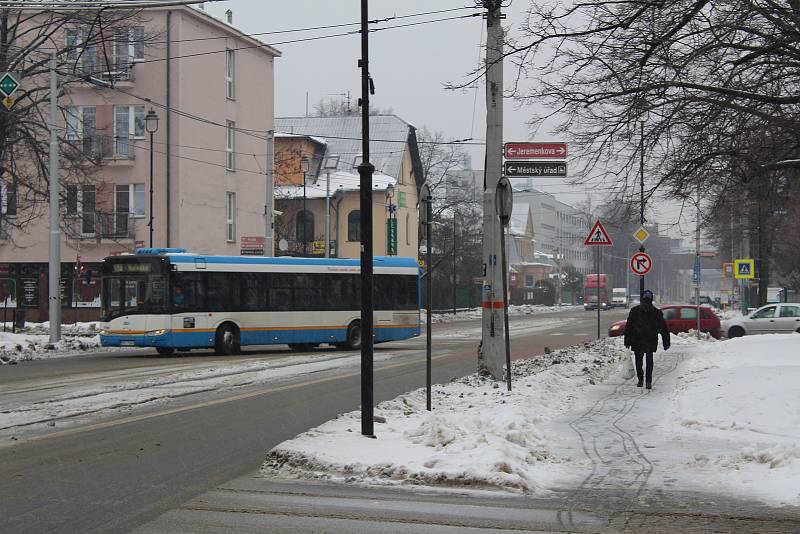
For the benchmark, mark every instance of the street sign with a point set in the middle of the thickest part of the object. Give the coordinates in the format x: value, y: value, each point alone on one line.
x: 696, y: 272
x: 391, y: 237
x: 8, y: 84
x: 727, y: 270
x: 641, y: 263
x: 535, y: 150
x: 524, y: 169
x: 8, y: 102
x: 744, y: 269
x: 598, y: 236
x: 641, y: 235
x: 252, y: 245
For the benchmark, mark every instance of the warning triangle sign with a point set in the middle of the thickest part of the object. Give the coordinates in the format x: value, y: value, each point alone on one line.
x: 598, y: 236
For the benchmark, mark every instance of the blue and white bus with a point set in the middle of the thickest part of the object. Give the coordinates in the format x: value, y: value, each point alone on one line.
x: 172, y: 300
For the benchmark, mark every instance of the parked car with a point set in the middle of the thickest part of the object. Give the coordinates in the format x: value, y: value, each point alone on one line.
x: 680, y: 318
x: 769, y: 319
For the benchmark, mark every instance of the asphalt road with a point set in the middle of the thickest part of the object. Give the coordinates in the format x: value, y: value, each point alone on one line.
x: 119, y: 472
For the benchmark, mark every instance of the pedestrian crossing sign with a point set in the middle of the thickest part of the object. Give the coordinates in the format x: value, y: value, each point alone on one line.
x: 744, y: 269
x: 598, y: 236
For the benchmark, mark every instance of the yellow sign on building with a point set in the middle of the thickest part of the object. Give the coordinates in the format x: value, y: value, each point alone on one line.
x: 744, y: 269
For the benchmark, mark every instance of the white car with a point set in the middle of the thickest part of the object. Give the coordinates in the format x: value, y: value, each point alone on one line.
x: 769, y: 319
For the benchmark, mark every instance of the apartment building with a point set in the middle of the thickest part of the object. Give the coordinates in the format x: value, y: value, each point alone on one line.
x: 211, y: 88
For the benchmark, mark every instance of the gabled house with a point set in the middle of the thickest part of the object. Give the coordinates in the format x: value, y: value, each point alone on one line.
x: 329, y: 149
x: 525, y: 268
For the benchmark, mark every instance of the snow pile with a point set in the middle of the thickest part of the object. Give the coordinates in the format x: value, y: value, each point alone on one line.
x: 513, y: 311
x: 26, y: 346
x: 739, y: 402
x: 73, y: 329
x: 477, y: 435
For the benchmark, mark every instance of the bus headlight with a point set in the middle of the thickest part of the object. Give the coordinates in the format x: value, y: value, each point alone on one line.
x: 103, y: 332
x: 155, y: 332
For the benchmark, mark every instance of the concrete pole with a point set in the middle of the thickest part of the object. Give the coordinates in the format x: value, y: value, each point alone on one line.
x: 492, y: 351
x: 269, y: 205
x: 54, y: 265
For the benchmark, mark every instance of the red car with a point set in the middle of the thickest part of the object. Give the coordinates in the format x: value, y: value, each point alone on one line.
x: 680, y: 319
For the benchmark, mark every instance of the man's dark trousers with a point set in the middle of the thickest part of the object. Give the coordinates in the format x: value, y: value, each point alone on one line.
x: 639, y: 371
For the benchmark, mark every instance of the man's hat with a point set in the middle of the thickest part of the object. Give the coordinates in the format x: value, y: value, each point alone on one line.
x: 647, y: 294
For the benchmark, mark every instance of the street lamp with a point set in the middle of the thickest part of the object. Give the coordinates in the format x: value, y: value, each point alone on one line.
x: 151, y: 125
x: 304, y: 166
x: 391, y: 233
x: 331, y: 162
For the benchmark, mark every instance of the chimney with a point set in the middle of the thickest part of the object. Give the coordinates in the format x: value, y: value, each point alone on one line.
x: 202, y: 6
x: 229, y: 16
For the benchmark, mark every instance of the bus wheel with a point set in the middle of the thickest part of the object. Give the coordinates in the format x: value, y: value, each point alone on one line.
x: 303, y: 347
x: 165, y: 351
x: 227, y: 339
x: 354, y: 336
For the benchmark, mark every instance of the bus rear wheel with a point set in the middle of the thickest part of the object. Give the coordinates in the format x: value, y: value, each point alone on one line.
x: 226, y: 340
x: 354, y: 336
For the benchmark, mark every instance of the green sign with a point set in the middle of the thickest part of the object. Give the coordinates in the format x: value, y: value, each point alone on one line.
x: 391, y: 237
x: 8, y: 84
x: 401, y: 200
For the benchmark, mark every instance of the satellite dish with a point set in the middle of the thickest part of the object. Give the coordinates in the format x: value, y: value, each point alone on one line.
x: 283, y: 245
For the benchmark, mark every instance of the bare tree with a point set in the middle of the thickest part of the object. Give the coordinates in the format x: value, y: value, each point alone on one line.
x: 92, y: 45
x: 343, y: 107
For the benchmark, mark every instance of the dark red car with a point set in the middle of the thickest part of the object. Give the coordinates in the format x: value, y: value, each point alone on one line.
x: 680, y: 318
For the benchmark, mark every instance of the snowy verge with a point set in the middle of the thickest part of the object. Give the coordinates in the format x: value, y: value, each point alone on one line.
x: 24, y: 346
x: 478, y: 435
x: 513, y: 311
x: 736, y: 406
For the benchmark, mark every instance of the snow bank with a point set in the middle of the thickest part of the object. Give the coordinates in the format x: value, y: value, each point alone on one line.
x: 33, y: 343
x: 741, y: 399
x: 477, y: 435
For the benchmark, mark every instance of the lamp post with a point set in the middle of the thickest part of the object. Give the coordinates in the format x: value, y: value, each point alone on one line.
x: 151, y: 125
x: 391, y: 227
x: 331, y: 162
x: 304, y: 165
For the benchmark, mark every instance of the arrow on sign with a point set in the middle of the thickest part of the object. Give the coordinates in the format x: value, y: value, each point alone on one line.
x: 641, y: 263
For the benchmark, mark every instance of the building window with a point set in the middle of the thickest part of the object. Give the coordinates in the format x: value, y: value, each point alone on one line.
x: 401, y: 199
x: 130, y: 199
x: 8, y: 200
x: 528, y: 280
x: 230, y: 217
x: 128, y: 48
x: 81, y: 48
x: 304, y: 226
x: 81, y: 207
x: 230, y: 130
x: 230, y: 72
x: 81, y: 129
x: 128, y: 125
x: 354, y: 226
x: 408, y: 228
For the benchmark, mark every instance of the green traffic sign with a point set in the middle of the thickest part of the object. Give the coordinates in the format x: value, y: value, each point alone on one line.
x: 391, y: 237
x: 8, y: 84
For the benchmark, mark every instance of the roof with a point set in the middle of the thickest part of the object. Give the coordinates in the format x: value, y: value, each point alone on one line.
x: 339, y: 181
x: 518, y: 224
x: 389, y: 136
x: 223, y: 24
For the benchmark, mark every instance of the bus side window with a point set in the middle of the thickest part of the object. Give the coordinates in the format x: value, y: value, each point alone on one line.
x: 254, y: 291
x: 280, y: 292
x: 194, y: 293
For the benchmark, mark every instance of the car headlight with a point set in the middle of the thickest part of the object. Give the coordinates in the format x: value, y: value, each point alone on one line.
x: 155, y: 332
x: 615, y: 327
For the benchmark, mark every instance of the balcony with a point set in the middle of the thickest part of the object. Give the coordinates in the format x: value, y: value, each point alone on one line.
x: 99, y: 225
x: 99, y: 148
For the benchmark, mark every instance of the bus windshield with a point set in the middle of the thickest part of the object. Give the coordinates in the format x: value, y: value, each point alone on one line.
x: 133, y: 288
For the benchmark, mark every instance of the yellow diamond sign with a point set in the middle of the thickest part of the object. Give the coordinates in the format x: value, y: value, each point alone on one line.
x: 641, y: 235
x: 8, y: 102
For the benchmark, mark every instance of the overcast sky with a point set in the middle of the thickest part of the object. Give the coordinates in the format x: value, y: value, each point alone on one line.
x: 409, y: 66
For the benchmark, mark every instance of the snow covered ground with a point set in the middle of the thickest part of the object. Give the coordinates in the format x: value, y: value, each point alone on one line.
x: 513, y: 311
x: 33, y: 342
x: 722, y: 417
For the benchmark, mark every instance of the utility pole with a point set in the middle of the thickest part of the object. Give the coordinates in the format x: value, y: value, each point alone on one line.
x: 697, y: 259
x: 455, y: 278
x: 641, y: 207
x: 269, y: 205
x: 492, y: 350
x: 54, y: 264
x: 365, y: 171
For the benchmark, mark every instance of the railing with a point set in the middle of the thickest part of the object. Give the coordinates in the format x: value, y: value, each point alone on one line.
x: 99, y: 225
x: 103, y: 147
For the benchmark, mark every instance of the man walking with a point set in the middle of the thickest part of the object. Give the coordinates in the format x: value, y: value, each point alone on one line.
x: 645, y: 322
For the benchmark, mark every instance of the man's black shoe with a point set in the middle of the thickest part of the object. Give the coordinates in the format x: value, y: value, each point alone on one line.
x: 639, y: 384
x: 649, y: 385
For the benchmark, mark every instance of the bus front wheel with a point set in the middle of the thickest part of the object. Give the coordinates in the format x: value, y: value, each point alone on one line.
x: 227, y: 339
x: 165, y: 351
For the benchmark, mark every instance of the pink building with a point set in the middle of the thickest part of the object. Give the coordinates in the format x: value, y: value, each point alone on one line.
x: 209, y: 182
